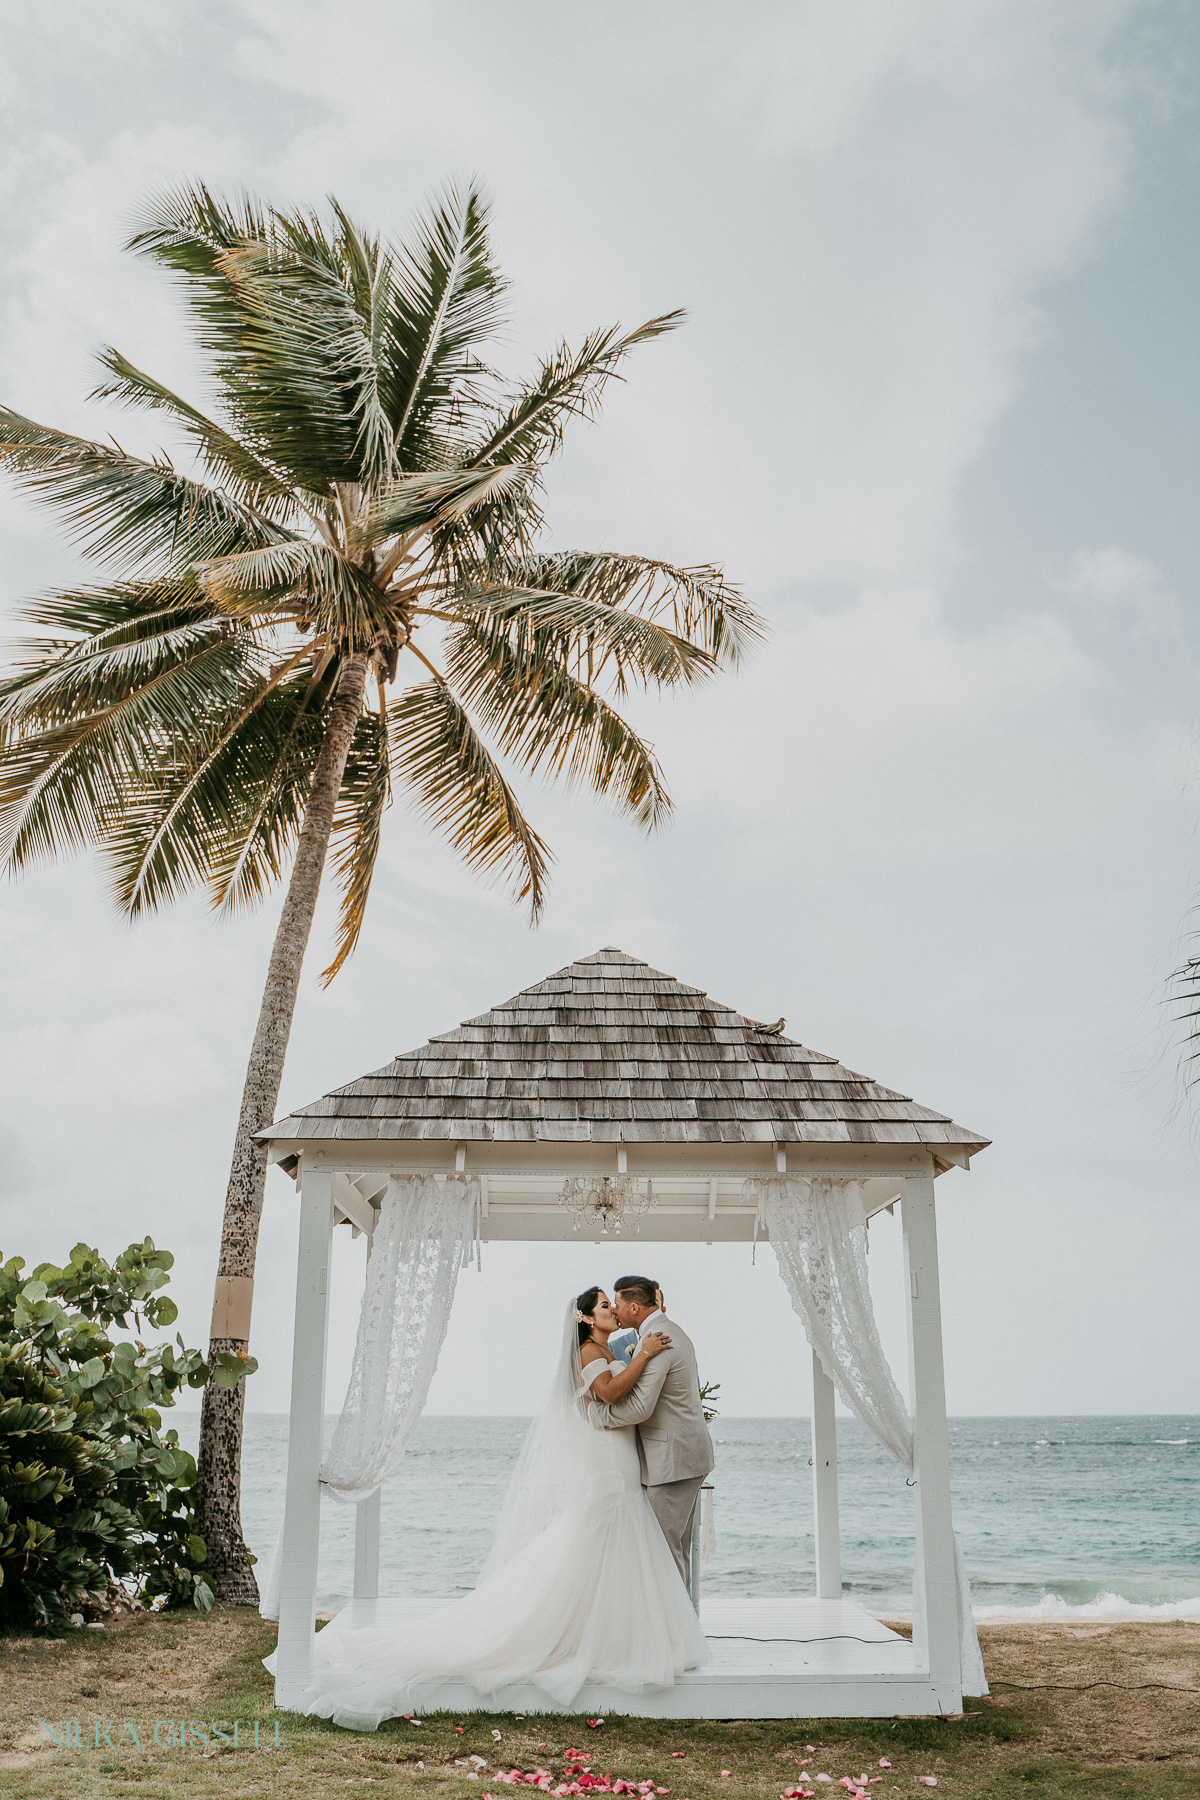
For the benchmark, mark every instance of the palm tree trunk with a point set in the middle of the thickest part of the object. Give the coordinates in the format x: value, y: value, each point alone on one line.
x: 218, y: 1485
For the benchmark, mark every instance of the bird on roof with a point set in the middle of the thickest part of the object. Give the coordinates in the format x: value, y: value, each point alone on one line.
x: 775, y: 1030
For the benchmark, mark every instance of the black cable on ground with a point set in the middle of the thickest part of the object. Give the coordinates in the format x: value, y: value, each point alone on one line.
x: 1064, y: 1687
x: 738, y: 1637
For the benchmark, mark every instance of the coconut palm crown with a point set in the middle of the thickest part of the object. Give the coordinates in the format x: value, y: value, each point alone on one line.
x: 340, y: 593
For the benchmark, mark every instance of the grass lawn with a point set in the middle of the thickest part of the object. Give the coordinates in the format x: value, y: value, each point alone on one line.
x: 150, y: 1669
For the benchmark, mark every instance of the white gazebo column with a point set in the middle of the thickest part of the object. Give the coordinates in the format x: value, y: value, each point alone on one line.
x: 366, y: 1528
x: 302, y: 1504
x: 826, y: 1530
x: 935, y: 1626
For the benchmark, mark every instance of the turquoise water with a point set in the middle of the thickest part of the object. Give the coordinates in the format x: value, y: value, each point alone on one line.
x: 1063, y: 1517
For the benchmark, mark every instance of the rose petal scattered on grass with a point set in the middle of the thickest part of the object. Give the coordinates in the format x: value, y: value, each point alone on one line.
x: 678, y: 1753
x: 929, y: 1780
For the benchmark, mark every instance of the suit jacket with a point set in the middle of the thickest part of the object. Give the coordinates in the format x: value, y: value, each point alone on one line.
x: 673, y: 1440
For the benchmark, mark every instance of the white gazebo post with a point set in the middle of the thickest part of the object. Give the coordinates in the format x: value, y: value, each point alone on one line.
x: 302, y: 1503
x: 826, y: 1529
x: 935, y: 1626
x: 366, y: 1528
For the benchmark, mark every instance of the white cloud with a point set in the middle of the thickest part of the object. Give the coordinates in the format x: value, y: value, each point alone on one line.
x: 1109, y: 583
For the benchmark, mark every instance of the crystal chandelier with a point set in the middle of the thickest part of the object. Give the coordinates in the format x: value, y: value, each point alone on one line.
x: 606, y: 1200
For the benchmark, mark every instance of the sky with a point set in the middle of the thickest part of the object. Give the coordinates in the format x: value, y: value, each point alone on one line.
x: 935, y: 409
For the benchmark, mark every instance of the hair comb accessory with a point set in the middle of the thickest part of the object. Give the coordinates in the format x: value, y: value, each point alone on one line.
x: 578, y: 1316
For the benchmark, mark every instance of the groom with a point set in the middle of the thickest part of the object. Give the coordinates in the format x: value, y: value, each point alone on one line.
x: 674, y: 1447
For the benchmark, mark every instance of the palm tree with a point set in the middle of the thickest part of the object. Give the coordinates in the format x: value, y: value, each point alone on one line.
x: 361, y: 499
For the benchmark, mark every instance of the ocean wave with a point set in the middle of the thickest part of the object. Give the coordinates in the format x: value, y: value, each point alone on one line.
x: 1108, y: 1609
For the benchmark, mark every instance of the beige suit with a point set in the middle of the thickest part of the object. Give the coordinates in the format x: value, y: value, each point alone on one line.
x: 674, y: 1447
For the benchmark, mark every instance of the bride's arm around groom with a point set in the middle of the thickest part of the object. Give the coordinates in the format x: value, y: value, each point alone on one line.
x: 674, y: 1446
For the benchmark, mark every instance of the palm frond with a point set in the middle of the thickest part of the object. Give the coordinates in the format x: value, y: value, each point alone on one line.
x: 569, y: 385
x: 65, y: 787
x: 225, y: 811
x: 329, y: 593
x: 580, y: 633
x: 700, y: 604
x: 529, y: 429
x: 538, y: 713
x: 358, y: 822
x: 445, y: 298
x: 273, y: 316
x: 224, y: 455
x: 438, y: 754
x: 117, y: 505
x: 189, y: 227
x: 113, y: 635
x: 302, y: 382
x: 418, y: 502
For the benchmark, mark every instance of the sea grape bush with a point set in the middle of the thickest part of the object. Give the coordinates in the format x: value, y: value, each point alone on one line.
x: 92, y: 1489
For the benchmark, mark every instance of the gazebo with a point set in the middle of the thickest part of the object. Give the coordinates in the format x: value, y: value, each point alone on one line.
x: 615, y: 1073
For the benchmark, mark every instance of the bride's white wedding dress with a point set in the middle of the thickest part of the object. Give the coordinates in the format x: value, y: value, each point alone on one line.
x: 579, y: 1587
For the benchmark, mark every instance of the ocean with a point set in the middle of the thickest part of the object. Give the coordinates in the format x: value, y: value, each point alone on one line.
x: 1058, y: 1517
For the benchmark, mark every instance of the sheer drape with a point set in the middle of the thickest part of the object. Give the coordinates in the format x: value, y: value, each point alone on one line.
x: 423, y: 1236
x: 818, y: 1230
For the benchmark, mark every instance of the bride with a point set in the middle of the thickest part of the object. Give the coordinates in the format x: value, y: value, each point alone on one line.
x: 579, y: 1585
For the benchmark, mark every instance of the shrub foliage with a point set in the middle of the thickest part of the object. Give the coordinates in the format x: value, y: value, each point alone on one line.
x: 92, y: 1489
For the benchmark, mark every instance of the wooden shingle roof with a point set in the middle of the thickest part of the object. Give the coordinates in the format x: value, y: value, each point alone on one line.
x: 610, y: 1050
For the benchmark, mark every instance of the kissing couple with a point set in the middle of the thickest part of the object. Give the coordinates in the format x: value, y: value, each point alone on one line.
x: 586, y: 1579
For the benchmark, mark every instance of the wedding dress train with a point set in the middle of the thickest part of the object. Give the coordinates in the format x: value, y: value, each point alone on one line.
x: 580, y: 1587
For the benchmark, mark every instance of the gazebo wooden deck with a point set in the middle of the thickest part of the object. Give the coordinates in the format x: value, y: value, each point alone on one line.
x: 611, y: 1068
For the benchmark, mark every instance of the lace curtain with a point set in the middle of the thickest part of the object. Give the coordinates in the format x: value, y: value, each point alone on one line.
x: 424, y: 1235
x: 818, y: 1230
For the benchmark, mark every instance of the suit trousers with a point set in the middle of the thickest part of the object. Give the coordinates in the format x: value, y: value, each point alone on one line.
x: 674, y: 1504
